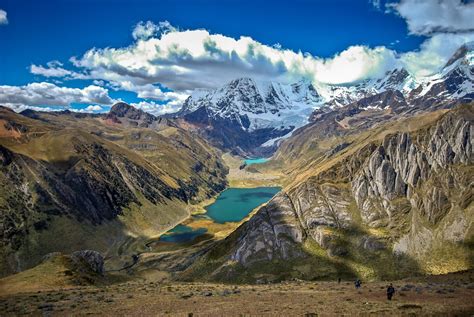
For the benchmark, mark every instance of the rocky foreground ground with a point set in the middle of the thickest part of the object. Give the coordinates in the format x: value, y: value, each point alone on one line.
x: 443, y: 295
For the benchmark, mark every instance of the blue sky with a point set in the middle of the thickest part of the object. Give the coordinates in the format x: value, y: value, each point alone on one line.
x: 40, y: 31
x: 47, y: 34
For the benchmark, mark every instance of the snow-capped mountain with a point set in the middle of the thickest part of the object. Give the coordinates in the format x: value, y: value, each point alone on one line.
x: 341, y: 95
x: 401, y: 92
x: 252, y: 115
x: 257, y: 105
x: 249, y: 114
x: 453, y: 84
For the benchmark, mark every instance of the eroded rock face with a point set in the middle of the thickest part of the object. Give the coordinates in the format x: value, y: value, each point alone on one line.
x: 415, y: 187
x: 271, y: 233
x: 401, y: 165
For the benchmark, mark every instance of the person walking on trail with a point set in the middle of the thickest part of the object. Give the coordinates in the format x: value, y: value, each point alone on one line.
x: 357, y: 284
x: 390, y: 291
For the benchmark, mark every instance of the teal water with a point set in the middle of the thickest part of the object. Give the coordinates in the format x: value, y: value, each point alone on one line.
x: 255, y: 161
x: 234, y: 204
x: 182, y: 233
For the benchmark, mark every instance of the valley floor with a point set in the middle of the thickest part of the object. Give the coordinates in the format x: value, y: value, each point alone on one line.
x: 439, y: 295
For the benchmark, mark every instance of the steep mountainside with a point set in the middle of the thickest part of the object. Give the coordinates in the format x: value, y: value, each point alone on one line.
x: 72, y: 181
x: 391, y: 202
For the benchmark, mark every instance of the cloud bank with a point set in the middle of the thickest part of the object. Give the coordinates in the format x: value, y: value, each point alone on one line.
x: 46, y: 94
x: 441, y: 16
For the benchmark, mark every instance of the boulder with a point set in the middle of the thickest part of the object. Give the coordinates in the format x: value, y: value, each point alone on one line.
x: 92, y: 259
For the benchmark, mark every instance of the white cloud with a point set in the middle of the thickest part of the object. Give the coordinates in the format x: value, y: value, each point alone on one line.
x: 145, y: 30
x: 47, y: 94
x: 93, y: 108
x: 440, y: 16
x: 98, y: 82
x: 55, y: 69
x: 185, y: 60
x: 355, y: 63
x: 376, y: 3
x: 3, y: 17
x: 434, y: 53
x: 49, y: 71
x: 157, y: 109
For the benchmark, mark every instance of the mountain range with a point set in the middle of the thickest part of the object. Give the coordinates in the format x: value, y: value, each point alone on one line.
x: 250, y: 117
x: 376, y: 177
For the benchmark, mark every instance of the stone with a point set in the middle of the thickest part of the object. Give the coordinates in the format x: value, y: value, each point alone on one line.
x: 93, y: 259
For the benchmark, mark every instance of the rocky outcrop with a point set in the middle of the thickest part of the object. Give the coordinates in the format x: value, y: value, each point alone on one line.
x: 122, y: 113
x: 403, y: 163
x: 89, y: 260
x: 270, y: 234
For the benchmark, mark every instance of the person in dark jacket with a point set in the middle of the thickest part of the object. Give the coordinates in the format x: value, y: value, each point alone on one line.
x: 357, y: 284
x: 390, y: 291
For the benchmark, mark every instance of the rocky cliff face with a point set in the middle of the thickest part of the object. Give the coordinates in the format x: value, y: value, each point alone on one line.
x: 405, y: 199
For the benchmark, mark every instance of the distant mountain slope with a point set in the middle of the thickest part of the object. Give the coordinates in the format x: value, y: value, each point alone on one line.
x: 392, y: 201
x: 72, y: 181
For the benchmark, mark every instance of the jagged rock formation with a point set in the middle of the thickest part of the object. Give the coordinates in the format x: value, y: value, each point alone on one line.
x: 64, y: 176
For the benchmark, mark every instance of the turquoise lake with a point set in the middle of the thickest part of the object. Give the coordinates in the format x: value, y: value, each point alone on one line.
x: 234, y: 204
x: 182, y: 233
x: 256, y: 161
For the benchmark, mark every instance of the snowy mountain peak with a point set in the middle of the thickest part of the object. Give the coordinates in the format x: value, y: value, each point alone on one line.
x: 397, y: 79
x: 263, y: 104
x: 465, y: 52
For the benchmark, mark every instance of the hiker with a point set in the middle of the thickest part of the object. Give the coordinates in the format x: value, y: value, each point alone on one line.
x: 339, y: 281
x: 390, y: 291
x: 357, y: 284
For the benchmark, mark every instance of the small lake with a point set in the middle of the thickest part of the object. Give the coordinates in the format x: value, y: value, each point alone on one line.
x: 234, y: 204
x: 255, y: 161
x: 182, y: 233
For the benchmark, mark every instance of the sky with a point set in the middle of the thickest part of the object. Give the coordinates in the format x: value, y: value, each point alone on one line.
x: 85, y: 55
